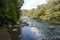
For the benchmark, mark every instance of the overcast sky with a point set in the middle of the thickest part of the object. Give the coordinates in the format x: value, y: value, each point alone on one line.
x: 29, y: 4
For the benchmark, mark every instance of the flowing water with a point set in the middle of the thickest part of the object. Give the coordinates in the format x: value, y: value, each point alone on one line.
x: 39, y: 30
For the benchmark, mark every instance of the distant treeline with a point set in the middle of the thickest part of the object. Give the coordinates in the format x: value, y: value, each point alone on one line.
x: 48, y: 12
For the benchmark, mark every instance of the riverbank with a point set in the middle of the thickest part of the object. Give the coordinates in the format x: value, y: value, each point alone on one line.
x: 47, y: 21
x: 14, y: 32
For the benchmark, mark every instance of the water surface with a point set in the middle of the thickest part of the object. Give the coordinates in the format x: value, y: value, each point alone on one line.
x: 38, y: 30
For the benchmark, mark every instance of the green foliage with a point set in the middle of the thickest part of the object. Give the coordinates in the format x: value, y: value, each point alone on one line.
x: 48, y: 12
x: 9, y: 11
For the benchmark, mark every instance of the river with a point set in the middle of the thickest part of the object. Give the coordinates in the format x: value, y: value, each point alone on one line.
x: 39, y: 30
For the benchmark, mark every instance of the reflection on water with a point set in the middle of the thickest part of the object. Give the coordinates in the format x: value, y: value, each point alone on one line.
x: 31, y: 33
x: 38, y: 30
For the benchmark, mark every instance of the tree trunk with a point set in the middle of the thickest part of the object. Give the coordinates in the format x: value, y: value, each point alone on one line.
x: 4, y: 35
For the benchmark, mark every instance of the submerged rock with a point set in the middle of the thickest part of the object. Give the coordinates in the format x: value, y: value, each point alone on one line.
x: 55, y: 38
x: 51, y: 27
x: 58, y: 37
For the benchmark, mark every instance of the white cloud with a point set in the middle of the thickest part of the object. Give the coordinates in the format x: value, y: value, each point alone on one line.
x: 29, y: 4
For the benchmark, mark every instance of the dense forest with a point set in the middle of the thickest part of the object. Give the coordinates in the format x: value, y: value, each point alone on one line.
x: 9, y: 11
x: 9, y: 15
x: 47, y: 12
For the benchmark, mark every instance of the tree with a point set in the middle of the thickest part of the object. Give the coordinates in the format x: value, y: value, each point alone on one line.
x: 48, y: 12
x: 9, y: 11
x: 9, y: 15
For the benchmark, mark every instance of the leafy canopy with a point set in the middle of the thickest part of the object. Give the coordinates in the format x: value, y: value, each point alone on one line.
x: 9, y: 11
